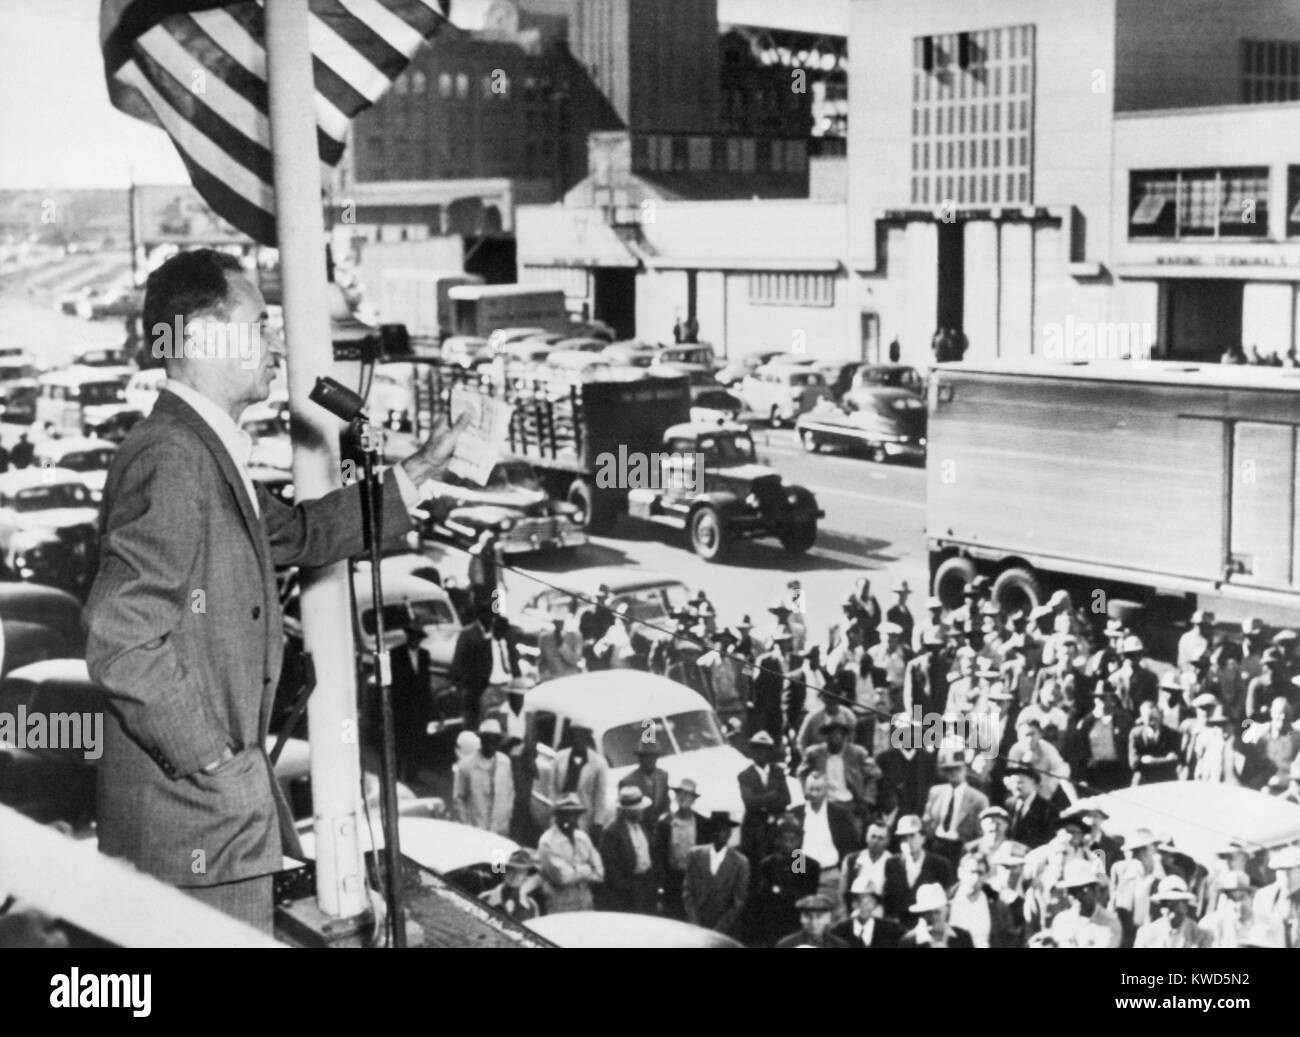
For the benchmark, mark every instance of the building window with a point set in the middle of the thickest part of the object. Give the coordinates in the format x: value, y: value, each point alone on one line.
x: 400, y: 85
x: 748, y: 155
x: 1293, y: 202
x: 701, y: 154
x: 791, y: 289
x: 1270, y: 71
x: 1199, y: 203
x: 958, y: 78
x: 444, y: 84
x: 462, y: 85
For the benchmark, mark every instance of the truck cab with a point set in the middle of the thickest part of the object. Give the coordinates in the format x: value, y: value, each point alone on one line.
x: 709, y: 483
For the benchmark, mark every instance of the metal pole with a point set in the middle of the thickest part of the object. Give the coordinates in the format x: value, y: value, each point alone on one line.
x: 326, y: 616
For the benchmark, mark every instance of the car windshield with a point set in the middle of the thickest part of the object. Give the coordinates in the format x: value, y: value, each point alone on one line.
x: 87, y: 460
x: 720, y: 449
x: 400, y: 615
x: 513, y: 473
x: 44, y: 498
x: 10, y: 371
x: 807, y: 378
x: 716, y: 399
x: 100, y: 392
x: 679, y: 733
x: 894, y: 377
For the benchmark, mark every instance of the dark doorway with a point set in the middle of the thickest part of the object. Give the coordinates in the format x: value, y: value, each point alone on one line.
x: 615, y: 298
x: 952, y: 275
x: 492, y: 258
x: 1202, y: 319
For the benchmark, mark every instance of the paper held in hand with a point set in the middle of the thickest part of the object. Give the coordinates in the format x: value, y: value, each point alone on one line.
x: 479, y: 445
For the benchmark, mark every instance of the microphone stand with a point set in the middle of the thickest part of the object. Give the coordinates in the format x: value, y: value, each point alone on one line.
x: 372, y: 526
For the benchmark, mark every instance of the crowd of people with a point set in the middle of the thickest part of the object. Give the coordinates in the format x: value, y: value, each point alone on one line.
x: 942, y: 761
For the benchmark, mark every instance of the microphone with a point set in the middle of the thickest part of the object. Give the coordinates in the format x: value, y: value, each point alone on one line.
x: 338, y: 399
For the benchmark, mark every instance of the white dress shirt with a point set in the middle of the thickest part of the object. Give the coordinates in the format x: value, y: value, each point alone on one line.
x: 972, y: 914
x: 715, y: 858
x: 817, y: 841
x: 864, y: 931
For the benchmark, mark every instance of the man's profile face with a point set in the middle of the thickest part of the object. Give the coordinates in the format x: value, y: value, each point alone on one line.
x: 242, y: 374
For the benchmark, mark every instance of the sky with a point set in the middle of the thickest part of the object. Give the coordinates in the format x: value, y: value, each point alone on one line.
x: 58, y: 130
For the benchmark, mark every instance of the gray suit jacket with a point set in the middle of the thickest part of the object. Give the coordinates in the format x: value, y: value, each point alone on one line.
x: 715, y: 901
x: 185, y: 633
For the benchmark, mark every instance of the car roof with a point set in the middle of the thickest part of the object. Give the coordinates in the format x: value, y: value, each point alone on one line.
x: 443, y: 846
x: 588, y: 698
x: 25, y: 478
x: 700, y: 428
x: 594, y: 929
x: 71, y: 444
x: 399, y: 586
x: 882, y: 392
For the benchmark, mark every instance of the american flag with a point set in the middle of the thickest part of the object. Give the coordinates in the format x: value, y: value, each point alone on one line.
x: 197, y: 68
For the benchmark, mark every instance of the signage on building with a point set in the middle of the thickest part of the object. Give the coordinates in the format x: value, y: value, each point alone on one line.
x: 957, y: 214
x: 1273, y: 259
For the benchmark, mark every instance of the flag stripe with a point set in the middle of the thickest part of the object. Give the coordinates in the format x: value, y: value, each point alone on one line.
x: 197, y: 68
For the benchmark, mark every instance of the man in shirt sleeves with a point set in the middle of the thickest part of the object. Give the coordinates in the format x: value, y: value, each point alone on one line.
x: 184, y: 622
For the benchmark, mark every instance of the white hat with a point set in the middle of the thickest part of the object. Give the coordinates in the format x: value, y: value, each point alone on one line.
x: 908, y: 824
x: 1173, y: 887
x: 929, y: 897
x: 1284, y: 859
x: 1077, y: 873
x: 865, y: 885
x: 490, y: 727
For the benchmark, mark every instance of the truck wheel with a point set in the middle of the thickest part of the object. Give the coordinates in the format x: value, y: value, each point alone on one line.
x: 809, y: 441
x: 800, y: 539
x: 710, y: 538
x: 950, y: 581
x: 1017, y: 589
x: 595, y: 516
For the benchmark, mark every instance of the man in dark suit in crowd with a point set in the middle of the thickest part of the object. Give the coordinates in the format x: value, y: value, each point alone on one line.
x: 912, y: 867
x: 1153, y: 748
x: 785, y: 876
x: 925, y: 681
x: 765, y: 794
x: 651, y: 780
x: 868, y: 926
x: 412, y: 706
x: 1033, y: 818
x: 764, y: 710
x: 907, y: 770
x: 630, y: 881
x: 716, y: 885
x: 186, y: 790
x: 593, y: 624
x: 814, y: 924
x: 676, y: 833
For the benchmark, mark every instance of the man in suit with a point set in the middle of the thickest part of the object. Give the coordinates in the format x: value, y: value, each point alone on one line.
x: 716, y: 885
x: 651, y: 780
x: 1033, y: 818
x: 1096, y: 746
x: 852, y: 776
x: 907, y: 769
x: 1153, y: 749
x: 932, y: 928
x: 952, y: 811
x: 911, y: 868
x: 675, y: 835
x: 814, y: 924
x: 186, y: 790
x: 869, y: 861
x: 868, y: 927
x: 583, y: 771
x: 784, y: 877
x: 829, y: 835
x: 765, y: 795
x: 412, y: 705
x: 471, y: 663
x: 767, y: 689
x: 898, y: 613
x: 625, y: 851
x: 925, y: 681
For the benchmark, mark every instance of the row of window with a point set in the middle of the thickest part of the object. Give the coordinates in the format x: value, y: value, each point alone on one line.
x: 1207, y: 203
x: 777, y: 289
x: 985, y: 154
x: 657, y: 153
x: 494, y: 86
x: 971, y: 50
x: 1270, y: 71
x: 951, y: 119
x: 972, y: 189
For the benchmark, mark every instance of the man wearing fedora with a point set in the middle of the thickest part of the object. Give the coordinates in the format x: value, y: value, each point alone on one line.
x: 933, y: 624
x: 676, y: 834
x: 1273, y: 746
x: 569, y: 862
x: 580, y: 769
x: 1033, y: 818
x: 832, y: 709
x: 814, y: 924
x: 1085, y: 923
x: 484, y: 787
x: 630, y: 881
x: 852, y: 776
x: 869, y: 861
x: 867, y: 926
x: 953, y: 809
x: 515, y: 895
x: 1210, y: 747
x: 911, y: 868
x: 765, y: 795
x: 1134, y: 683
x: 1198, y: 640
x: 1271, y: 684
x: 651, y: 779
x: 1175, y: 927
x: 899, y: 614
x: 783, y: 878
x: 716, y: 884
x: 931, y: 928
x: 907, y: 768
x: 925, y: 681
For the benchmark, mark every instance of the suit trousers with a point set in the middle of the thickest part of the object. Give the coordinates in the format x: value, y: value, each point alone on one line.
x: 249, y: 900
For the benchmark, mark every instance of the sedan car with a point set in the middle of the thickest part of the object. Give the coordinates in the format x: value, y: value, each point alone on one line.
x: 464, y: 350
x: 886, y: 423
x: 630, y: 353
x: 889, y: 376
x: 624, y: 715
x: 739, y: 368
x: 617, y: 929
x: 514, y: 505
x: 48, y: 528
x: 781, y: 392
x: 85, y: 455
x: 651, y: 598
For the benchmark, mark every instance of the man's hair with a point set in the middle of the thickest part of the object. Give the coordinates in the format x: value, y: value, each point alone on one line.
x: 188, y: 285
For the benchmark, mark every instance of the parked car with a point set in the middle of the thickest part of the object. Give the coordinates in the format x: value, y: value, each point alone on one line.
x: 48, y: 528
x: 887, y: 423
x: 889, y: 376
x: 20, y: 368
x: 142, y: 389
x: 100, y: 356
x: 514, y: 504
x: 630, y: 353
x: 622, y: 714
x: 651, y: 599
x: 781, y: 392
x: 582, y: 345
x: 617, y: 929
x: 465, y: 350
x: 88, y: 401
x: 18, y: 401
x: 710, y: 400
x: 738, y: 368
x: 40, y: 623
x: 502, y: 337
x: 694, y: 353
x: 84, y: 455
